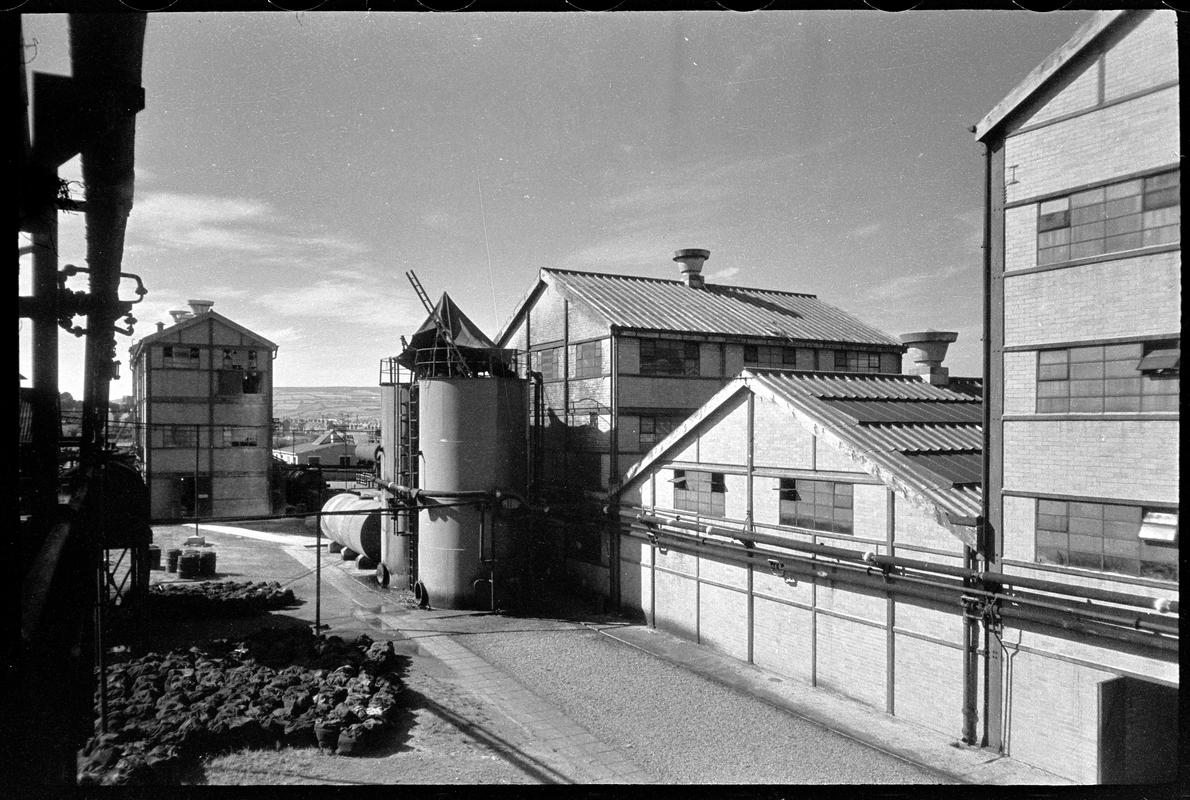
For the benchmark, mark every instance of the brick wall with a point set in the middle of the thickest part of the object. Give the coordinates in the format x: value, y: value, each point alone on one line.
x: 915, y: 527
x: 1018, y: 528
x: 779, y: 442
x: 719, y: 572
x: 1146, y: 57
x: 781, y: 639
x: 1117, y: 140
x: 890, y: 363
x: 1020, y: 383
x: 852, y: 659
x: 585, y: 323
x: 1127, y: 297
x: 928, y: 679
x: 735, y: 503
x: 1054, y: 716
x: 546, y: 320
x: 1020, y: 237
x: 870, y: 512
x: 676, y: 604
x: 930, y: 622
x: 723, y: 439
x: 830, y: 457
x: 852, y: 604
x: 1080, y: 91
x: 723, y: 615
x: 1133, y: 460
x: 650, y: 392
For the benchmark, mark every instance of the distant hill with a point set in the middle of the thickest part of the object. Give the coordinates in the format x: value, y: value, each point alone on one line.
x: 326, y: 401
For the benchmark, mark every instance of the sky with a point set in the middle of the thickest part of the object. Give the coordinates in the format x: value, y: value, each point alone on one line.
x: 292, y: 167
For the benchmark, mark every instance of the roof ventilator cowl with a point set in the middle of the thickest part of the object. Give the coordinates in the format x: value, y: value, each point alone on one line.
x: 926, y: 351
x: 692, y: 260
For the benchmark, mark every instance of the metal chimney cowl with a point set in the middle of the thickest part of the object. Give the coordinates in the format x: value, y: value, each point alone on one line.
x: 926, y: 352
x: 692, y: 260
x: 180, y: 314
x: 200, y: 306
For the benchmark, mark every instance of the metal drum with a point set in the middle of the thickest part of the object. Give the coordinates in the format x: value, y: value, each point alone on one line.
x: 359, y: 531
x: 472, y: 438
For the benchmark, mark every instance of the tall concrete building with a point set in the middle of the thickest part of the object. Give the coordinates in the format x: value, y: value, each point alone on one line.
x: 1083, y: 351
x: 203, y: 402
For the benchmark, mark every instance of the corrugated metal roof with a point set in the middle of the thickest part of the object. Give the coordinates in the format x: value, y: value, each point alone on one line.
x: 929, y: 437
x: 908, y: 411
x: 926, y: 438
x: 629, y: 301
x: 954, y: 468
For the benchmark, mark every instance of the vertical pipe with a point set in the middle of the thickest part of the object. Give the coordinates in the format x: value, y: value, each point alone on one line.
x: 318, y: 568
x: 970, y: 658
x: 197, y: 434
x: 890, y: 652
x: 46, y: 430
x: 749, y: 514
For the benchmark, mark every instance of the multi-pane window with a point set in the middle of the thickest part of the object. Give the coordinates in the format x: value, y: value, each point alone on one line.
x: 770, y: 356
x: 655, y: 428
x: 818, y: 505
x: 1108, y: 219
x: 667, y: 357
x: 588, y: 359
x: 856, y: 361
x: 180, y: 357
x: 1103, y: 537
x: 1137, y: 376
x: 239, y: 437
x: 180, y: 436
x: 547, y: 363
x: 701, y: 492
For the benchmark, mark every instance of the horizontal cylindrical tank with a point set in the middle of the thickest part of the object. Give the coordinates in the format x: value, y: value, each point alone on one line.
x: 358, y: 531
x: 472, y: 438
x: 366, y: 451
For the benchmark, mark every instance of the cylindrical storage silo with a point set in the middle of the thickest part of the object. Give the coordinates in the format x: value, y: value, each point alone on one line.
x: 472, y: 439
x: 358, y: 531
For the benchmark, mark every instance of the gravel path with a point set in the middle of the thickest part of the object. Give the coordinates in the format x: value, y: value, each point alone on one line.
x: 680, y: 727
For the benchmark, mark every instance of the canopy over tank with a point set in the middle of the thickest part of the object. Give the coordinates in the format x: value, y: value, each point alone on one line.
x: 357, y: 531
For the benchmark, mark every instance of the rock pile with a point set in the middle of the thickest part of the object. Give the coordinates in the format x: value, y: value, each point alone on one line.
x: 222, y: 598
x: 165, y: 711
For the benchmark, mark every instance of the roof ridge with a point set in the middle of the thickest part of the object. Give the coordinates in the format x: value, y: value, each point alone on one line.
x: 672, y: 280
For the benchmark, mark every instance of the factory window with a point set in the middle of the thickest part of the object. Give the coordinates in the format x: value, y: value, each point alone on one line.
x: 655, y: 428
x: 818, y: 505
x: 588, y: 359
x: 1108, y: 219
x: 180, y: 357
x: 1108, y: 538
x: 856, y: 361
x: 546, y: 362
x: 667, y: 357
x: 251, y: 383
x: 700, y: 492
x: 239, y: 437
x: 770, y: 356
x: 231, y: 383
x: 180, y: 436
x: 1137, y: 376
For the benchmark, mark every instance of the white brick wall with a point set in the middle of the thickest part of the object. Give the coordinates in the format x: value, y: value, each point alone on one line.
x: 1020, y: 383
x: 781, y: 642
x: 1146, y: 57
x: 723, y: 620
x: 1020, y: 237
x: 830, y: 457
x: 779, y: 443
x: 1121, y: 139
x: 1082, y: 92
x: 851, y: 659
x: 915, y: 527
x: 724, y: 437
x: 1129, y: 297
x: 1019, y: 525
x: 1124, y: 459
x: 870, y: 507
x: 929, y: 685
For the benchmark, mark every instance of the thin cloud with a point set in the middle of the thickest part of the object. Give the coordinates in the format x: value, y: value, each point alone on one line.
x: 345, y: 302
x: 864, y: 231
x: 722, y: 274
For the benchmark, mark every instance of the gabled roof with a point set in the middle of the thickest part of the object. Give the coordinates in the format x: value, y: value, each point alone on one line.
x: 1046, y: 71
x: 630, y: 302
x: 925, y: 442
x: 462, y: 330
x: 167, y: 334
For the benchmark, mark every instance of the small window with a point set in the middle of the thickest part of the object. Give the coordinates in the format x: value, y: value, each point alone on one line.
x: 701, y: 492
x: 1159, y: 527
x: 231, y: 383
x: 817, y: 505
x: 668, y: 357
x: 751, y: 354
x: 314, y: 461
x: 251, y: 383
x: 1160, y: 358
x: 588, y: 360
x: 546, y: 362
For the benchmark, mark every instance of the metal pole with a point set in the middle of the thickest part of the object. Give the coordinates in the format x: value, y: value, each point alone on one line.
x: 197, y: 434
x: 318, y: 569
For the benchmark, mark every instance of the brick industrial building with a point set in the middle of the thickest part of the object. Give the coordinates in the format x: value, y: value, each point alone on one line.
x: 202, y: 398
x: 625, y: 359
x: 1083, y: 270
x: 887, y: 464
